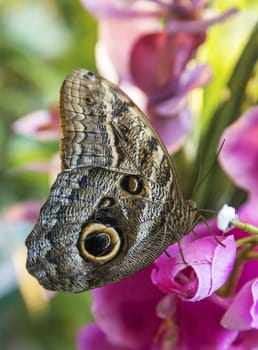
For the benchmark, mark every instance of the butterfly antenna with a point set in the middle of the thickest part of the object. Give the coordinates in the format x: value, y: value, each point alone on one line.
x: 198, y: 178
x: 200, y: 181
x: 207, y: 211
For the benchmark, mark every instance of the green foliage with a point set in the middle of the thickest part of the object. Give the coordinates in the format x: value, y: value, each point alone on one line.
x: 51, y: 329
x: 41, y: 41
x: 226, y: 112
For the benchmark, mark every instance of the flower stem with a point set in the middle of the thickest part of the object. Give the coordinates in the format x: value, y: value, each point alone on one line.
x: 245, y: 226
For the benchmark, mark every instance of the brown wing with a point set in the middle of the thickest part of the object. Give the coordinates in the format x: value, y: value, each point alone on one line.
x: 102, y: 127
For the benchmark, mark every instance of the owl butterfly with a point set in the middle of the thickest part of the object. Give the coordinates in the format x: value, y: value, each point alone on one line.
x: 116, y: 205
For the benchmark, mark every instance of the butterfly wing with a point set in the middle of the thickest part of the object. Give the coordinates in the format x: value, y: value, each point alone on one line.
x: 114, y: 207
x: 102, y: 127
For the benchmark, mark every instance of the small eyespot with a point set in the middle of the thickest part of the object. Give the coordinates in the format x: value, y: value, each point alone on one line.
x: 89, y: 100
x: 99, y: 243
x: 106, y: 202
x: 88, y: 75
x: 132, y: 184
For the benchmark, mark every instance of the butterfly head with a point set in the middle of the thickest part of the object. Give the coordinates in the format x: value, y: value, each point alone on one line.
x: 191, y: 211
x: 185, y: 217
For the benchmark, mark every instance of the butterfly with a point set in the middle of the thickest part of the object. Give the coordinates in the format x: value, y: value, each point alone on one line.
x: 116, y: 205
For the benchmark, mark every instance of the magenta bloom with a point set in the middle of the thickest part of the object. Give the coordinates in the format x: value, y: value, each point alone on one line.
x: 135, y: 314
x: 209, y: 265
x: 158, y: 67
x: 154, y: 56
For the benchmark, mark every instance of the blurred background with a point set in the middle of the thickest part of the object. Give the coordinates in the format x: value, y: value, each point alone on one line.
x: 40, y: 43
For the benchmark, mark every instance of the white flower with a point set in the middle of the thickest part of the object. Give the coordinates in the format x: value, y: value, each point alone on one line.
x: 225, y: 216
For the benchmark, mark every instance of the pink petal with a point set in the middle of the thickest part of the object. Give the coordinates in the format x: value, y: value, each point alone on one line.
x: 222, y: 269
x: 152, y: 61
x: 239, y: 156
x: 172, y: 130
x: 91, y: 337
x: 246, y: 340
x: 197, y: 77
x: 194, y: 326
x: 126, y: 310
x: 129, y: 8
x: 199, y: 325
x: 169, y: 108
x: 159, y: 58
x: 41, y: 124
x: 198, y: 26
x: 209, y: 265
x: 175, y: 100
x: 24, y: 211
x: 243, y: 312
x: 112, y: 62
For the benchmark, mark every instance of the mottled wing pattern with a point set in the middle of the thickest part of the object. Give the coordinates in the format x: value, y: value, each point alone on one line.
x: 102, y: 127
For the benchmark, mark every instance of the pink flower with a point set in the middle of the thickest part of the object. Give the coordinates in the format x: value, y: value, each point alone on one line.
x: 208, y: 267
x: 158, y: 67
x: 134, y: 314
x: 154, y: 57
x: 113, y: 62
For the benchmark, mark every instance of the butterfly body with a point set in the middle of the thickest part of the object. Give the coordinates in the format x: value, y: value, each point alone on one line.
x: 116, y: 205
